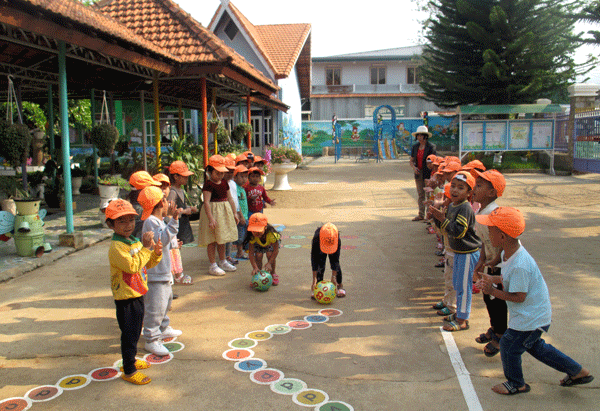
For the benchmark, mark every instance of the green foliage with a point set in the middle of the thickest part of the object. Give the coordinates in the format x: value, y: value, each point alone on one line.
x: 284, y: 154
x: 14, y: 143
x: 33, y: 115
x: 104, y: 137
x: 240, y: 132
x: 35, y: 178
x: 183, y: 149
x: 109, y: 180
x: 11, y: 187
x: 225, y: 149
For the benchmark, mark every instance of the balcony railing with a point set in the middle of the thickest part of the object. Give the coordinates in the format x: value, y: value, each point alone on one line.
x: 366, y: 89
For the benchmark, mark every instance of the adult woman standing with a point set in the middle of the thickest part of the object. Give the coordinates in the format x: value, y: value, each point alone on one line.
x: 418, y: 157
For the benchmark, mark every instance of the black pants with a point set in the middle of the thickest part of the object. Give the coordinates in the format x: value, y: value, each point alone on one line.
x: 497, y: 309
x: 130, y: 316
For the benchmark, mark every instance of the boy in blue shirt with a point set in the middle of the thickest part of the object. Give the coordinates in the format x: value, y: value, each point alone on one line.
x: 528, y: 303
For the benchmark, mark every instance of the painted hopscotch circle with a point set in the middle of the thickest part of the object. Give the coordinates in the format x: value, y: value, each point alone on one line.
x: 278, y: 329
x: 174, y: 346
x: 169, y: 339
x: 242, y: 343
x: 158, y: 359
x: 299, y: 324
x: 349, y: 247
x: 335, y: 406
x: 297, y: 237
x: 237, y: 354
x: 43, y: 393
x: 288, y: 386
x: 253, y: 364
x: 119, y: 363
x: 259, y: 335
x: 74, y: 382
x: 331, y: 312
x: 16, y: 404
x: 349, y: 237
x: 316, y: 318
x: 266, y: 376
x: 292, y: 246
x: 310, y: 397
x: 104, y: 374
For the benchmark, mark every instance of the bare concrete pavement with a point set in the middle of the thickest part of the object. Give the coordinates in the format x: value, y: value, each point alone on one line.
x: 385, y: 352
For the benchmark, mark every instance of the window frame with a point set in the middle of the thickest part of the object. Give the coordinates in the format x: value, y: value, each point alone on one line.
x: 333, y: 69
x: 379, y: 68
x: 416, y: 77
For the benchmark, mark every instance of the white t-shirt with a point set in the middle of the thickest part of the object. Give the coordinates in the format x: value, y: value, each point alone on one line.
x: 233, y: 191
x: 520, y: 274
x: 483, y: 232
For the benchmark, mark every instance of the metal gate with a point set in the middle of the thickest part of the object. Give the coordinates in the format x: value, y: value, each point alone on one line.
x: 586, y: 156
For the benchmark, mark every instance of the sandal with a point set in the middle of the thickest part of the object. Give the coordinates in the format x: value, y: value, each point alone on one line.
x: 438, y: 306
x: 450, y: 318
x: 418, y: 218
x: 243, y: 256
x: 490, y: 350
x: 485, y: 338
x: 138, y: 378
x: 455, y: 326
x: 139, y: 365
x: 341, y: 293
x: 510, y: 389
x: 569, y: 381
x: 183, y: 279
x: 444, y: 311
x: 232, y: 260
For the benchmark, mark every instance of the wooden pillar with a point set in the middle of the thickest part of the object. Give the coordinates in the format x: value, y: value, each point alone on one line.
x: 248, y: 113
x: 144, y: 137
x: 180, y: 119
x: 156, y: 120
x: 213, y: 102
x: 204, y: 120
x: 93, y: 115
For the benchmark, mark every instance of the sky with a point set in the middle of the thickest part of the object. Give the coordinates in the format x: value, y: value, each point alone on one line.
x: 341, y: 28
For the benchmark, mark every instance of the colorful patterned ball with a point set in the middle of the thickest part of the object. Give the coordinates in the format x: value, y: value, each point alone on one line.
x: 325, y: 292
x: 262, y: 281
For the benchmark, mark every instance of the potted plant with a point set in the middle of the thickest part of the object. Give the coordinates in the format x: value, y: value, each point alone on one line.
x: 213, y: 124
x: 77, y: 175
x: 110, y: 186
x: 240, y: 132
x: 105, y: 137
x: 283, y: 160
x: 36, y: 182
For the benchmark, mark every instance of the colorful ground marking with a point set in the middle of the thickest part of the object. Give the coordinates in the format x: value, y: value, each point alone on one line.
x: 310, y: 397
x: 349, y: 237
x: 43, y: 393
x: 158, y: 359
x: 174, y: 346
x: 331, y: 312
x: 299, y: 324
x: 242, y: 343
x: 15, y: 404
x: 237, y: 354
x: 266, y: 376
x: 74, y: 382
x: 349, y: 247
x: 259, y: 335
x: 253, y: 364
x: 335, y: 406
x: 292, y: 246
x: 104, y: 374
x: 288, y: 386
x: 317, y: 318
x: 169, y: 339
x: 278, y: 329
x: 298, y: 237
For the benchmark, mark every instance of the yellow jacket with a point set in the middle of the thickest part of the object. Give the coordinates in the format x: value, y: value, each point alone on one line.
x: 128, y: 261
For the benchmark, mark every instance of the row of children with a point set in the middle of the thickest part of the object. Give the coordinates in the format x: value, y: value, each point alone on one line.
x: 483, y: 251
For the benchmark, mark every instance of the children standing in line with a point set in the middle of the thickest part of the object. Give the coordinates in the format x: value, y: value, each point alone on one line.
x: 489, y: 186
x: 528, y: 301
x: 218, y: 219
x: 139, y: 180
x: 180, y: 174
x: 263, y: 239
x: 230, y: 165
x: 326, y: 242
x: 256, y: 193
x: 459, y: 222
x: 160, y: 295
x: 129, y: 257
x: 240, y: 176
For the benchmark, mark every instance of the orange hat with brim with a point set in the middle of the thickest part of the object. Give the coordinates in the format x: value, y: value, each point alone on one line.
x: 447, y: 190
x: 179, y: 167
x: 431, y: 158
x: 258, y: 159
x: 509, y: 220
x: 466, y: 177
x: 241, y: 157
x: 328, y: 238
x: 249, y: 155
x: 218, y: 163
x: 240, y: 169
x: 256, y: 169
x: 229, y: 163
x: 257, y: 223
x: 495, y: 178
x: 452, y: 167
x: 475, y: 164
x: 141, y: 179
x: 118, y: 208
x: 162, y: 178
x: 148, y: 199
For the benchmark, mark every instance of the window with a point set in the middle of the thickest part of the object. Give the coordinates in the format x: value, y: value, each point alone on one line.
x: 333, y: 76
x: 231, y: 29
x: 377, y: 75
x: 413, y: 75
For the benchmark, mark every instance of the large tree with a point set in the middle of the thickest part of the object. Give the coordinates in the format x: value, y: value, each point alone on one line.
x: 497, y: 51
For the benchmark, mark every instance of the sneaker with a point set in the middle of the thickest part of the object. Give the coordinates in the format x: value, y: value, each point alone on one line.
x: 275, y: 279
x: 225, y: 266
x: 155, y: 347
x: 215, y: 270
x: 170, y: 332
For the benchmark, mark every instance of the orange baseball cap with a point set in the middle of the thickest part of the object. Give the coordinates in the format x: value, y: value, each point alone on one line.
x: 258, y: 170
x: 218, y: 163
x: 328, y: 238
x: 148, y: 199
x: 179, y: 167
x: 431, y: 158
x: 241, y: 157
x: 447, y: 190
x: 118, y: 208
x: 509, y: 220
x: 231, y: 156
x: 475, y: 164
x: 257, y: 222
x: 141, y: 179
x: 240, y: 169
x: 258, y: 159
x: 229, y: 163
x: 495, y: 178
x: 249, y: 155
x: 451, y: 167
x: 162, y: 178
x: 452, y: 158
x: 466, y: 177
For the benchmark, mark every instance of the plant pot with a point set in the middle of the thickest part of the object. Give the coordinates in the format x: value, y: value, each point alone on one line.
x: 107, y: 192
x: 281, y: 171
x: 76, y: 185
x: 27, y: 207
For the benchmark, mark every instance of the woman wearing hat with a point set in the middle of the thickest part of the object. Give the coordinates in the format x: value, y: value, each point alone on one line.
x: 418, y: 155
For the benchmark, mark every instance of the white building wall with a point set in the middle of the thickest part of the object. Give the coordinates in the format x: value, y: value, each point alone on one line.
x: 291, y: 122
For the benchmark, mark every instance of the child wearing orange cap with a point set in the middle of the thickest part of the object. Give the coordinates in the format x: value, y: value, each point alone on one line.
x: 218, y: 217
x: 240, y: 176
x: 160, y: 294
x: 128, y: 258
x: 230, y: 165
x: 326, y: 243
x: 139, y: 180
x: 263, y: 239
x: 459, y: 223
x: 528, y: 301
x: 180, y: 175
x: 255, y: 192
